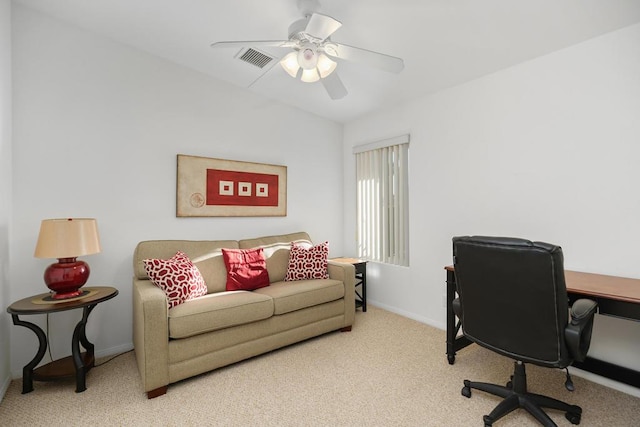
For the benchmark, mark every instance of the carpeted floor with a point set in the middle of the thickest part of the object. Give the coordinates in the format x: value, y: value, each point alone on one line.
x: 388, y: 371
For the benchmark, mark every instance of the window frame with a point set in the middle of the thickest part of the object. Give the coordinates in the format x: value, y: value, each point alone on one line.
x: 382, y: 200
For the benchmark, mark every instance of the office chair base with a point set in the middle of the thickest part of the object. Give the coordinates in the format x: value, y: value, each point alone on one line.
x: 516, y: 396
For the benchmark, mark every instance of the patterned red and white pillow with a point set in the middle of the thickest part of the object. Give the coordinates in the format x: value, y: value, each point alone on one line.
x: 308, y: 263
x: 177, y: 277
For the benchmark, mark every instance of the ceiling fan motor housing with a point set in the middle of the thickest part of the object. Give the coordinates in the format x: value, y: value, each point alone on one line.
x: 297, y: 31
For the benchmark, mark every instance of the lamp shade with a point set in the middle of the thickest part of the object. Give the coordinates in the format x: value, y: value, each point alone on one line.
x: 325, y: 65
x: 67, y: 238
x: 290, y: 64
x: 310, y: 76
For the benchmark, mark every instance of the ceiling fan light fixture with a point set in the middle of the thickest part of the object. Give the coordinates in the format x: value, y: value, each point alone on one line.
x: 290, y: 64
x: 310, y: 76
x: 325, y: 65
x: 307, y: 57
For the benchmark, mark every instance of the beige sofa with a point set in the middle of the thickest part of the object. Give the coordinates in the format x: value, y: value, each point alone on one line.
x: 223, y: 327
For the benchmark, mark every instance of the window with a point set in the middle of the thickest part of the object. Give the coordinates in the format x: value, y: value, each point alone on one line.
x: 382, y: 200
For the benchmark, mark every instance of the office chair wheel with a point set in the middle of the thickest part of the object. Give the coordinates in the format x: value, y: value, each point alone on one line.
x: 466, y: 390
x: 488, y: 421
x: 510, y: 382
x: 573, y: 417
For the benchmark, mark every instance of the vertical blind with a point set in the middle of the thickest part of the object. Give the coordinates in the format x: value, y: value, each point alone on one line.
x: 382, y: 201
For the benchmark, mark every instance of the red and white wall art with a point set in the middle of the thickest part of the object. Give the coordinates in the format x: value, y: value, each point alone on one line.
x: 218, y: 187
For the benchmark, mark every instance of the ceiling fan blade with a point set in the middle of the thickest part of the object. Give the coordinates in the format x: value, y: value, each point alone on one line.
x: 321, y: 26
x: 356, y: 54
x: 334, y: 86
x: 266, y: 43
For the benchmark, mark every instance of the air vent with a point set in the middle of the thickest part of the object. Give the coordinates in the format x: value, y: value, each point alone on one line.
x: 256, y: 58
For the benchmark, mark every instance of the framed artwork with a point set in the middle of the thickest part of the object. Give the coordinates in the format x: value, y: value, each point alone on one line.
x: 217, y: 187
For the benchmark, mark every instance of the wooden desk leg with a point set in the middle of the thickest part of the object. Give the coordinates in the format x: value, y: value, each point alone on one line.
x: 79, y: 336
x: 27, y: 371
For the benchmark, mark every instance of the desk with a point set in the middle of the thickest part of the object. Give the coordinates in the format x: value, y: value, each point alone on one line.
x: 78, y: 364
x: 616, y: 296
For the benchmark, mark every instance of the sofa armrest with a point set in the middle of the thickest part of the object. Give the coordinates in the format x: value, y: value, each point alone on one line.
x: 151, y: 334
x: 347, y: 274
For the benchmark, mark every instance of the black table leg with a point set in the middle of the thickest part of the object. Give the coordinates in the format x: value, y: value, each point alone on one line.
x: 79, y: 336
x: 361, y: 280
x: 451, y: 318
x: 27, y: 371
x: 453, y: 343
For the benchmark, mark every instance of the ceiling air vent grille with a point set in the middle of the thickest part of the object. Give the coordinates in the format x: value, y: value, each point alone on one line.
x: 256, y: 58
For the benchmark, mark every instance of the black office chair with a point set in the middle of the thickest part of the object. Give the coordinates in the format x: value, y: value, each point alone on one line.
x: 512, y: 299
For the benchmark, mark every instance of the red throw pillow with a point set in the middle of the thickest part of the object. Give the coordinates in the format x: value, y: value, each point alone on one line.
x: 177, y: 277
x: 305, y: 264
x: 246, y: 269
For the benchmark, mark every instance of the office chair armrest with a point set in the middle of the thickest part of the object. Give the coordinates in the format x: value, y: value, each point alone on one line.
x: 582, y: 309
x: 578, y: 331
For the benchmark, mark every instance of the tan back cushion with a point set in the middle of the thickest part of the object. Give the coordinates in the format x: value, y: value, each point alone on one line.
x: 205, y: 254
x: 276, y: 251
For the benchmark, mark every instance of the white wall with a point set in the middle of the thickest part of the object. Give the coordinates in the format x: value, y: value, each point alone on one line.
x: 97, y: 126
x: 546, y: 150
x: 5, y: 187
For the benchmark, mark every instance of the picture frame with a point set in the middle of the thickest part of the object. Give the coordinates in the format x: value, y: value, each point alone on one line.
x: 211, y: 187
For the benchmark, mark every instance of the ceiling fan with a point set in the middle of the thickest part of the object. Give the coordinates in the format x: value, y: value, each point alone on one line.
x: 312, y: 50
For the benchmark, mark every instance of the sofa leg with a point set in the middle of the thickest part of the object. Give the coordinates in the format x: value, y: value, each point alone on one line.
x: 157, y: 392
x: 346, y: 329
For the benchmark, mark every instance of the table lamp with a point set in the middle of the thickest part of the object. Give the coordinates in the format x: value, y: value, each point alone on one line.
x: 66, y: 239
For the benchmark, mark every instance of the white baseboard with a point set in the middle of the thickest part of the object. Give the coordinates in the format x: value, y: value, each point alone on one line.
x: 625, y: 388
x: 4, y: 387
x: 421, y: 319
x: 114, y: 350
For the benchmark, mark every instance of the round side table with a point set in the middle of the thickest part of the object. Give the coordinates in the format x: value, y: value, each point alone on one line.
x: 78, y: 364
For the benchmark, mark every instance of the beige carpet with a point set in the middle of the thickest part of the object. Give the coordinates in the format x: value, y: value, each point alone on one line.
x: 388, y: 371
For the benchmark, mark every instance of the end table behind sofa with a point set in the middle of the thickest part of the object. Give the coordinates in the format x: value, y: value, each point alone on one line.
x: 361, y: 279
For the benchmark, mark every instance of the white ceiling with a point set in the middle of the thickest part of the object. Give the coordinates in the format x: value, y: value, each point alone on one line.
x: 443, y: 42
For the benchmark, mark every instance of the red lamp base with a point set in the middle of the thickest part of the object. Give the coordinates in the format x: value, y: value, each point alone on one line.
x: 66, y: 277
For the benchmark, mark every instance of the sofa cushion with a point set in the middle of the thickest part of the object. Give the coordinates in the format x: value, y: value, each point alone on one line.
x: 276, y: 251
x: 246, y: 269
x: 218, y: 311
x: 308, y: 262
x: 292, y: 296
x: 177, y: 277
x: 205, y: 254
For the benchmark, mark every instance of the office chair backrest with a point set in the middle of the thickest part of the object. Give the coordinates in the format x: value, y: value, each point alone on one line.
x: 513, y: 297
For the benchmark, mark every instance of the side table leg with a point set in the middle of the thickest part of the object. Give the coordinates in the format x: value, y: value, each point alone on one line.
x: 27, y: 371
x: 364, y: 289
x: 79, y: 336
